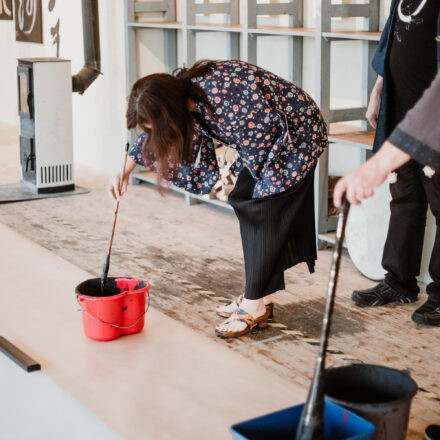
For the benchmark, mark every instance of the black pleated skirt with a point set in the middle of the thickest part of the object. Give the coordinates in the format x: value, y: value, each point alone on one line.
x: 277, y: 232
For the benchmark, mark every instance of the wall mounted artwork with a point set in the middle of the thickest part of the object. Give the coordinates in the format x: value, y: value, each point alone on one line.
x: 28, y: 21
x: 6, y: 10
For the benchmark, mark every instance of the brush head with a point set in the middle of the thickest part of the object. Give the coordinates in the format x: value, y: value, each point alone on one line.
x: 105, y: 272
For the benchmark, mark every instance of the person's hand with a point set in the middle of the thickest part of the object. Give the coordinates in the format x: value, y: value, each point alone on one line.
x: 114, y: 183
x: 359, y: 183
x: 374, y: 105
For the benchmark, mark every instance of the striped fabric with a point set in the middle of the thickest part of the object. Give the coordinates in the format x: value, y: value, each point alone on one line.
x: 277, y: 232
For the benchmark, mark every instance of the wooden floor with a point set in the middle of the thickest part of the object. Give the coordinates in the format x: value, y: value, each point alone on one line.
x: 193, y: 258
x: 166, y: 382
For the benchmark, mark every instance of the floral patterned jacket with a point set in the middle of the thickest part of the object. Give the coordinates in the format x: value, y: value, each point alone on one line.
x: 276, y: 129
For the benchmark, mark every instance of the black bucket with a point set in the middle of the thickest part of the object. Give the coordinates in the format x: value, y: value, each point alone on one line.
x: 379, y: 394
x: 432, y: 432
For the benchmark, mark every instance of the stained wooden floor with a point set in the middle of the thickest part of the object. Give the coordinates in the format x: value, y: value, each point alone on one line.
x: 192, y: 256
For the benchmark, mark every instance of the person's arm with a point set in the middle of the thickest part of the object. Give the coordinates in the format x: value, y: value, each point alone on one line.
x: 417, y: 136
x: 374, y: 103
x: 361, y: 182
x: 378, y: 65
x: 419, y: 132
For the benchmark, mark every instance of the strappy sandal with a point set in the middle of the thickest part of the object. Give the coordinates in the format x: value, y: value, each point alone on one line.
x: 234, y: 305
x: 231, y: 307
x: 251, y: 323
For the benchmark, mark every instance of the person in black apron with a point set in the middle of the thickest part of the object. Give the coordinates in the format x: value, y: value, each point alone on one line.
x: 408, y: 55
x: 278, y: 134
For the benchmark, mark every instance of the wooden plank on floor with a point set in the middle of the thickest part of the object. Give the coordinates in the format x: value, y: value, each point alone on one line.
x: 18, y: 356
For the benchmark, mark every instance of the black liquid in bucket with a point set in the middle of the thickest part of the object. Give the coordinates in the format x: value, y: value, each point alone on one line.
x: 92, y: 287
x: 379, y: 394
x: 432, y: 432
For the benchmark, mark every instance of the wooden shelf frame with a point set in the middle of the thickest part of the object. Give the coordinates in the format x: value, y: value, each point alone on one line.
x: 294, y: 11
x: 166, y: 7
x: 350, y: 135
x: 324, y: 36
x: 335, y: 34
x: 190, y: 199
x: 156, y: 25
x: 342, y: 34
x: 242, y: 28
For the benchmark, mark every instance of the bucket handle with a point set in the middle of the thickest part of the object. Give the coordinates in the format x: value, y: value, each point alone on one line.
x: 114, y: 325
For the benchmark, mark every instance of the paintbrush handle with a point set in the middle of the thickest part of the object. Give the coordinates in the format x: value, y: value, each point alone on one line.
x: 333, y: 280
x: 127, y: 145
x: 311, y: 425
x: 113, y: 228
x: 106, y: 266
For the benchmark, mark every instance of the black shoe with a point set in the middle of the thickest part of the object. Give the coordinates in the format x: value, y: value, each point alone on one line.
x: 432, y: 432
x: 379, y: 295
x: 428, y: 313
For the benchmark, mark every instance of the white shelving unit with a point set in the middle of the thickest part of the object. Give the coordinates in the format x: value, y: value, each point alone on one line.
x: 242, y: 26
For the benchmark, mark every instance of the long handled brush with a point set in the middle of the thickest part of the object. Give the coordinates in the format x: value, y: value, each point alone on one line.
x: 311, y: 425
x: 107, y: 260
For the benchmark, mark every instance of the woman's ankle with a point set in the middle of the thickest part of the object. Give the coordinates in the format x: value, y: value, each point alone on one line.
x: 254, y: 307
x: 266, y: 299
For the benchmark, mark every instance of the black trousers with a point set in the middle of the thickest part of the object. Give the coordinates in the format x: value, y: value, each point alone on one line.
x: 402, y: 256
x: 277, y: 232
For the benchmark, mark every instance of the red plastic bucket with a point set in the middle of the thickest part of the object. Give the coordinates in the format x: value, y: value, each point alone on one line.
x: 119, y: 310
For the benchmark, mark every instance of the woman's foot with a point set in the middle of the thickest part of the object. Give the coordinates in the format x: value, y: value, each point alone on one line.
x: 226, y: 310
x: 251, y: 314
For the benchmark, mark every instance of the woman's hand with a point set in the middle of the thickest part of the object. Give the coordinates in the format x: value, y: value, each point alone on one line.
x: 361, y: 182
x: 374, y: 104
x: 115, y: 183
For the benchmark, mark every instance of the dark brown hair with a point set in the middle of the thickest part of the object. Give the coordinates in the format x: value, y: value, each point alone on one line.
x: 161, y: 100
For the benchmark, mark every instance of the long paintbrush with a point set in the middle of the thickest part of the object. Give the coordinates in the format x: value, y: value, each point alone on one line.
x: 311, y: 425
x: 107, y: 260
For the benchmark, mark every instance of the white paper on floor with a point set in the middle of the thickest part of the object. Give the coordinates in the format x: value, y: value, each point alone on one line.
x: 32, y: 406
